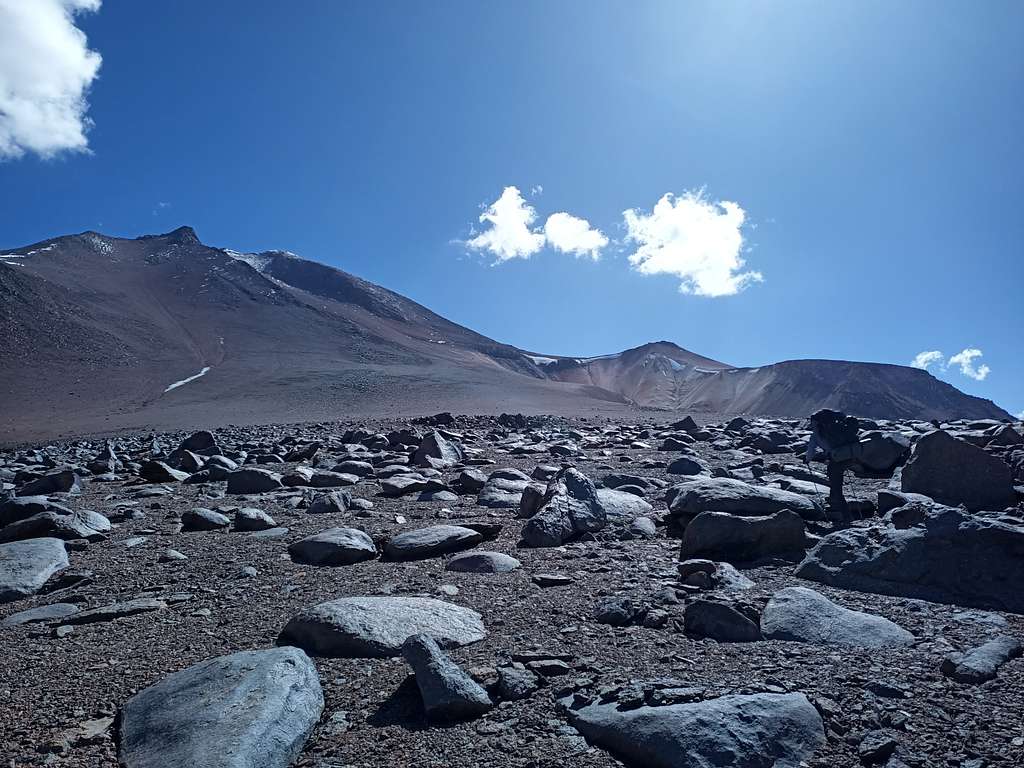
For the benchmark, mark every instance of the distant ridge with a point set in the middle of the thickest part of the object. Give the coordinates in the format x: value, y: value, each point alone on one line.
x: 97, y: 328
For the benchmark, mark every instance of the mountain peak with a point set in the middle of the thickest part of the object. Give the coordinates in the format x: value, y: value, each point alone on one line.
x: 183, y: 234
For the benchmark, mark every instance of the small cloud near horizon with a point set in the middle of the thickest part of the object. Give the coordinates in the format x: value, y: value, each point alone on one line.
x: 511, y: 233
x: 46, y: 69
x: 963, y: 359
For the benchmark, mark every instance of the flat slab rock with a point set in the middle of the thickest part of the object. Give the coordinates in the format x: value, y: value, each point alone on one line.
x: 431, y: 541
x: 253, y: 709
x: 25, y: 566
x: 376, y: 627
x: 723, y: 494
x: 757, y: 731
x: 806, y: 616
x: 335, y: 546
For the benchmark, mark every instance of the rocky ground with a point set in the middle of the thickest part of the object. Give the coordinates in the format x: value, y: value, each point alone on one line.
x: 617, y: 626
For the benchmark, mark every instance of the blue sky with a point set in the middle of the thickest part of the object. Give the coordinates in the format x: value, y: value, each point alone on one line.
x: 872, y: 149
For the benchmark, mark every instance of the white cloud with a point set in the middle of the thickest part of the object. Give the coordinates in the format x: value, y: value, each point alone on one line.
x: 923, y: 359
x: 537, y: 189
x: 570, y: 234
x: 509, y: 236
x: 965, y: 360
x: 697, y: 240
x: 46, y: 69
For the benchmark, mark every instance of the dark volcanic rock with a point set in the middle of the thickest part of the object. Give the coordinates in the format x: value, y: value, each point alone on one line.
x: 950, y: 557
x: 981, y: 664
x: 720, y: 621
x: 570, y: 506
x: 252, y: 480
x: 758, y: 731
x: 335, y: 546
x: 253, y: 709
x: 722, y: 494
x: 431, y: 541
x: 448, y: 692
x: 732, y: 538
x: 955, y: 472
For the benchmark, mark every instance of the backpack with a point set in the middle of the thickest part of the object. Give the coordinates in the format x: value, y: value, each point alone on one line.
x: 836, y: 428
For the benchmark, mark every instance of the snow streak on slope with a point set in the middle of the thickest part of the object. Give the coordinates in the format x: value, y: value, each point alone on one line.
x: 177, y: 384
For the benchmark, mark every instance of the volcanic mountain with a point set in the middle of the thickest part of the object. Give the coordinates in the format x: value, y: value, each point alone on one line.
x: 103, y: 333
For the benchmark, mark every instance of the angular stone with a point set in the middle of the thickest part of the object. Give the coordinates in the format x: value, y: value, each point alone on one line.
x: 253, y: 709
x: 42, y: 613
x: 503, y: 489
x: 622, y: 506
x: 448, y: 692
x: 201, y: 519
x: 719, y: 621
x: 252, y: 519
x: 570, y: 507
x: 116, y: 611
x: 55, y: 482
x: 160, y: 472
x: 332, y: 503
x: 376, y: 627
x: 981, y: 664
x: 806, y: 616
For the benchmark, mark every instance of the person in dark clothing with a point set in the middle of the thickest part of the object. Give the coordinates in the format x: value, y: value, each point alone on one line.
x: 836, y: 436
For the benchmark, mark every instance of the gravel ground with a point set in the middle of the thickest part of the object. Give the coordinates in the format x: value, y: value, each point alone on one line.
x: 53, y: 688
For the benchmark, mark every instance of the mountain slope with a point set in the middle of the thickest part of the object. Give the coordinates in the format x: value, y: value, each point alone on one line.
x: 104, y: 333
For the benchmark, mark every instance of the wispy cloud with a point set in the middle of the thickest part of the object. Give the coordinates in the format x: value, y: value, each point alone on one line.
x: 570, y: 234
x: 924, y: 359
x: 965, y: 360
x: 693, y: 238
x: 160, y: 207
x: 46, y: 69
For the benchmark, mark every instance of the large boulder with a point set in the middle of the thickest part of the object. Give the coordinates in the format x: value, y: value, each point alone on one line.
x: 25, y: 566
x: 720, y: 621
x: 621, y: 505
x: 570, y: 506
x: 438, y: 451
x: 65, y: 481
x: 723, y: 494
x: 946, y: 556
x: 431, y: 541
x: 955, y: 472
x: 763, y: 730
x: 733, y: 538
x: 503, y: 489
x: 82, y: 524
x: 335, y: 546
x: 253, y: 709
x: 21, y: 507
x: 806, y: 616
x: 376, y: 627
x: 882, y: 452
x: 979, y: 665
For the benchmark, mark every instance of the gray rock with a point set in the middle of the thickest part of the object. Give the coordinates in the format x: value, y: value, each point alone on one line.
x: 981, y: 664
x: 882, y: 452
x: 643, y: 527
x: 201, y: 519
x: 437, y: 451
x: 253, y: 709
x: 55, y: 482
x: 330, y: 503
x: 889, y: 499
x: 448, y: 692
x: 431, y: 541
x: 570, y: 507
x: 332, y: 479
x: 720, y: 621
x: 615, y: 611
x: 376, y: 627
x: 482, y: 562
x: 708, y: 574
x: 759, y: 731
x: 721, y: 536
x: 472, y: 480
x: 160, y: 472
x: 77, y: 525
x: 516, y: 683
x: 503, y: 489
x: 686, y: 466
x: 252, y: 480
x: 955, y: 472
x: 926, y: 561
x: 400, y: 485
x: 446, y: 497
x: 806, y: 616
x: 42, y: 613
x: 251, y: 519
x: 25, y: 566
x: 622, y: 506
x: 20, y: 508
x: 335, y: 546
x: 116, y: 611
x: 723, y: 494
